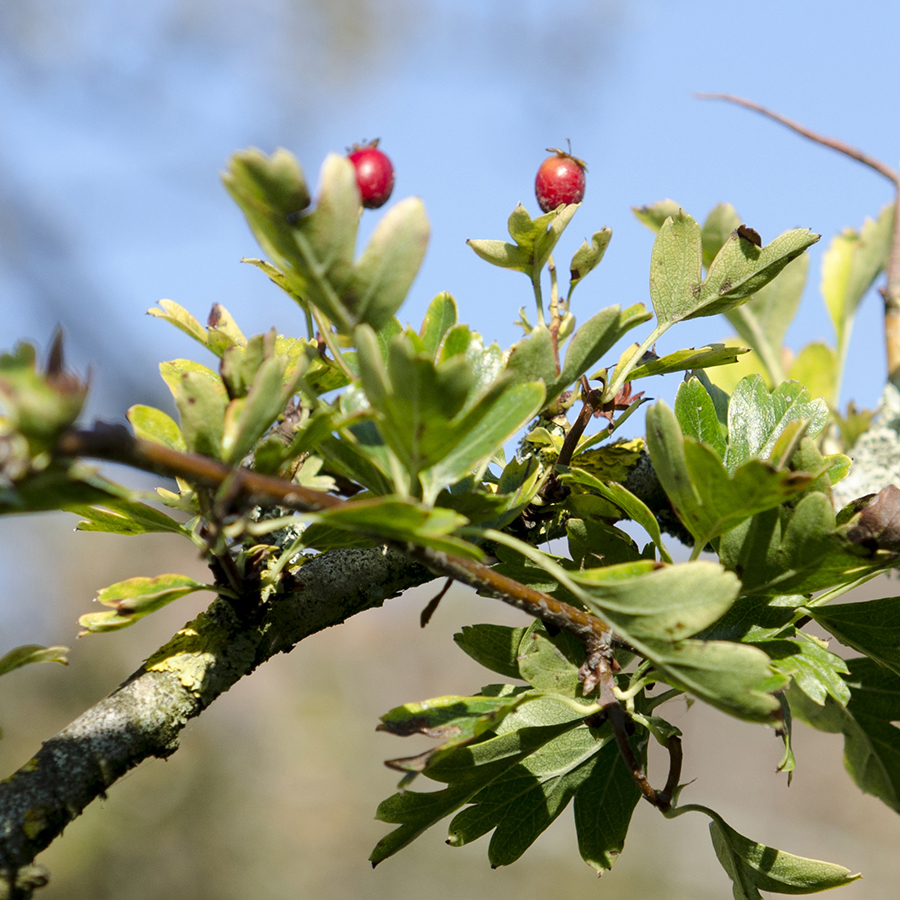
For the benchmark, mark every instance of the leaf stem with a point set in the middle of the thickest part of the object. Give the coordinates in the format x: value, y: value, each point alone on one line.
x: 328, y: 337
x: 623, y: 370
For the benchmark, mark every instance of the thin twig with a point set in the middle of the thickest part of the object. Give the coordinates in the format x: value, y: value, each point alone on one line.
x: 116, y: 444
x: 835, y: 144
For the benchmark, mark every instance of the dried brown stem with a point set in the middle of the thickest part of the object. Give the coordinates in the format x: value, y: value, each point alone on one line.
x: 891, y: 292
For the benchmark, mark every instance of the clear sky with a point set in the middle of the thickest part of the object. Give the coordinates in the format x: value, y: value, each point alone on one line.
x: 117, y: 117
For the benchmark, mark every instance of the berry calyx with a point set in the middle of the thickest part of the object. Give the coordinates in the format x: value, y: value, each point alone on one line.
x: 560, y: 180
x: 374, y: 174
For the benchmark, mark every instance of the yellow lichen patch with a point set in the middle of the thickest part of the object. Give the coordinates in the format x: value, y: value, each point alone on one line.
x: 32, y: 765
x: 611, y: 462
x: 187, y: 655
x: 34, y: 822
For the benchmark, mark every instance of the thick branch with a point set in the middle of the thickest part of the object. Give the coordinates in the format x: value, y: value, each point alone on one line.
x: 144, y: 717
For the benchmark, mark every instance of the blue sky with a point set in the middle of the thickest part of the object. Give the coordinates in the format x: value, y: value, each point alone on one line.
x: 117, y: 120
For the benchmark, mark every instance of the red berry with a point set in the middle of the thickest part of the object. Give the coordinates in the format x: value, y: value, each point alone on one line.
x: 374, y: 174
x: 560, y: 180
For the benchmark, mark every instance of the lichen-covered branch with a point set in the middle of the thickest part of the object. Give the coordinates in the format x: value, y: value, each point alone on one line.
x: 144, y: 717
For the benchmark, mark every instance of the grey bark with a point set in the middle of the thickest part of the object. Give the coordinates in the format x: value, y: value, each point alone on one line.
x: 144, y: 716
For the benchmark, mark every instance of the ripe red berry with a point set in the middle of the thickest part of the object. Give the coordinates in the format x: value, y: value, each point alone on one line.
x: 374, y: 174
x: 560, y: 180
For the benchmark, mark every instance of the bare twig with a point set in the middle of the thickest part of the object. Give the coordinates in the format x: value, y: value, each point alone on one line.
x: 835, y: 144
x: 891, y: 292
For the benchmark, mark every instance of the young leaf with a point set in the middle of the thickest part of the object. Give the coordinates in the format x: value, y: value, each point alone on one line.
x: 817, y: 368
x: 125, y: 517
x: 135, y: 598
x: 655, y: 214
x: 180, y: 318
x: 588, y: 256
x: 718, y: 227
x: 31, y: 653
x: 685, y: 360
x: 154, y: 425
x: 382, y: 276
x: 439, y: 319
x: 697, y: 415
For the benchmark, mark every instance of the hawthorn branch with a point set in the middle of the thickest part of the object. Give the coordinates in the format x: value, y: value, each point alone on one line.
x: 143, y: 718
x: 891, y: 292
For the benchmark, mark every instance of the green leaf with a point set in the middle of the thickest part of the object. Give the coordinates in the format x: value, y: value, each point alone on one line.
x: 753, y: 867
x: 735, y: 678
x: 503, y: 254
x: 588, y: 256
x: 675, y: 269
x: 31, y: 653
x: 815, y: 669
x: 466, y: 769
x: 817, y: 368
x: 654, y: 215
x: 125, y: 517
x: 633, y: 508
x: 154, y: 425
x: 603, y: 808
x: 871, y: 627
x: 223, y: 330
x: 550, y: 665
x: 135, y: 598
x: 718, y: 227
x: 201, y: 404
x: 493, y: 646
x: 871, y: 739
x: 685, y: 360
x: 457, y: 720
x: 395, y: 519
x: 522, y: 802
x: 757, y: 418
x: 741, y: 269
x: 180, y: 318
x: 763, y: 321
x: 653, y: 601
x: 709, y: 500
x: 534, y: 240
x: 439, y: 319
x: 851, y: 263
x: 246, y: 420
x: 697, y: 415
x: 385, y: 272
x: 592, y: 340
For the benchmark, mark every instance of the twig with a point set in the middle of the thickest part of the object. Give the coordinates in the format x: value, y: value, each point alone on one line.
x: 891, y: 292
x: 432, y: 604
x: 835, y: 144
x: 116, y: 444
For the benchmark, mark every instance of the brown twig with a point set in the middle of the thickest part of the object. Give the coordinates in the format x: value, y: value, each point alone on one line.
x: 432, y: 604
x: 619, y: 721
x: 835, y: 144
x: 116, y: 444
x: 891, y: 292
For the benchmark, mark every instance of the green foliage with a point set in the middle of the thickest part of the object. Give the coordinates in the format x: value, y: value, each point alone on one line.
x: 369, y: 433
